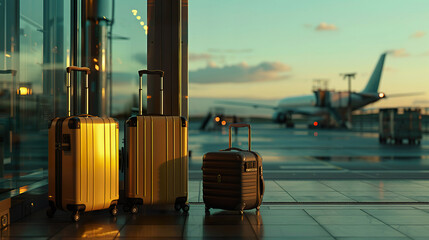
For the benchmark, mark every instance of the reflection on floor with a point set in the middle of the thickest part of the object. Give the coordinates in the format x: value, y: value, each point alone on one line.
x: 275, y: 221
x: 335, y: 191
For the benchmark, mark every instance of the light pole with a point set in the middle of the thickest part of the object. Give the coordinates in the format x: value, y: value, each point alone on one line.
x: 349, y: 76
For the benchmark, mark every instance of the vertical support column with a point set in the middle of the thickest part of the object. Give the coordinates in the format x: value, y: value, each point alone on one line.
x: 76, y: 37
x: 9, y: 53
x: 95, y: 52
x: 53, y: 59
x: 165, y: 53
x: 185, y: 79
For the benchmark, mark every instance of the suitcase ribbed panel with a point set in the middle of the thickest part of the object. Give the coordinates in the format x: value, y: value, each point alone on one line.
x: 99, y: 145
x: 226, y: 185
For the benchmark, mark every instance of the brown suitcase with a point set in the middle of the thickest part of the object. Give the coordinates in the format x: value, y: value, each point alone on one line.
x: 83, y: 161
x: 156, y: 159
x: 232, y: 178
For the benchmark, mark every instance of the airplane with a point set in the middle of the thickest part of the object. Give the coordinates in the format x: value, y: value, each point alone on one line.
x: 327, y: 108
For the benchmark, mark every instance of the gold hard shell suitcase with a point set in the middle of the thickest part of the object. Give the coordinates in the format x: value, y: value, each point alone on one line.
x: 156, y: 158
x: 83, y: 161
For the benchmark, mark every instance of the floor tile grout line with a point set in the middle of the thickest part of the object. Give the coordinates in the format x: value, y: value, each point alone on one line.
x: 284, y: 190
x: 126, y: 222
x: 56, y: 232
x: 251, y: 225
x: 363, y: 210
x: 419, y: 184
x: 362, y: 181
x: 337, y: 168
x: 366, y: 181
x: 424, y: 210
x: 337, y: 191
x: 326, y: 230
x: 184, y: 225
x: 412, y: 198
x: 389, y: 191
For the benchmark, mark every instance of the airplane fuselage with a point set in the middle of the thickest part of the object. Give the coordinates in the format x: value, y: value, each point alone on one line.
x: 317, y: 105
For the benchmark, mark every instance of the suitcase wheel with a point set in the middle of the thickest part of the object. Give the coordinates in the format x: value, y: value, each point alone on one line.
x: 52, y: 209
x: 177, y: 206
x: 134, y: 209
x: 113, y: 210
x: 185, y: 208
x: 75, y: 216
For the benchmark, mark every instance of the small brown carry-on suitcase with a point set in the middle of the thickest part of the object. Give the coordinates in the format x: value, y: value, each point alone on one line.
x: 156, y: 158
x: 83, y: 161
x: 232, y: 178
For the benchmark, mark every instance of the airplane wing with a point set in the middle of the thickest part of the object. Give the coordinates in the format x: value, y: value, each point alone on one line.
x: 405, y: 94
x: 254, y: 105
x: 390, y: 95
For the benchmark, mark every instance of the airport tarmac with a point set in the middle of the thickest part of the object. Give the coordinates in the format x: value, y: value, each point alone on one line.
x: 323, y: 166
x: 318, y: 154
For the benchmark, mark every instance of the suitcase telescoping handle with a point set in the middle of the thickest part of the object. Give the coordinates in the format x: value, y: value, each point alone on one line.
x: 68, y: 84
x: 238, y: 125
x: 161, y: 93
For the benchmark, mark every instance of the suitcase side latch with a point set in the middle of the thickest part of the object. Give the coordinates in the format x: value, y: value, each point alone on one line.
x: 250, y: 166
x: 66, y: 144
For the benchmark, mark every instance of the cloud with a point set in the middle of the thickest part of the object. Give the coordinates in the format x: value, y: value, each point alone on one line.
x: 240, y: 73
x: 418, y: 34
x: 323, y: 26
x: 389, y: 69
x: 125, y: 77
x: 200, y: 57
x: 231, y: 51
x: 399, y: 52
x: 140, y: 58
x: 421, y: 101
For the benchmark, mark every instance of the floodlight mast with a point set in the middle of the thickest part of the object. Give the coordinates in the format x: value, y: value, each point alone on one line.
x: 349, y: 77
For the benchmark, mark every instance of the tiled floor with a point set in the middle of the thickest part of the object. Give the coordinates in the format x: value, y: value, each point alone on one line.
x: 336, y: 191
x: 274, y: 221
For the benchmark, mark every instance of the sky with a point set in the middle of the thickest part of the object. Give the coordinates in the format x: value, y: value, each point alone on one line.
x: 276, y: 49
x: 262, y: 51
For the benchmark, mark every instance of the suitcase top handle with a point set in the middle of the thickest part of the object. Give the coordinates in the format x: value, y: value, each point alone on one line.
x: 151, y: 72
x: 78, y: 69
x: 238, y: 125
x: 68, y: 84
x: 161, y: 91
x: 8, y: 71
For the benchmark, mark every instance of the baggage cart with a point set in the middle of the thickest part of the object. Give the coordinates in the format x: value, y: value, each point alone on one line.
x: 395, y: 125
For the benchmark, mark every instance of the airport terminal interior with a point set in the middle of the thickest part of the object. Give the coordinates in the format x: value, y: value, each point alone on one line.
x: 335, y: 164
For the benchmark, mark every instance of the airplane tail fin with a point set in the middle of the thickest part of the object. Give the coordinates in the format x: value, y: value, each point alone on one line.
x: 374, y: 80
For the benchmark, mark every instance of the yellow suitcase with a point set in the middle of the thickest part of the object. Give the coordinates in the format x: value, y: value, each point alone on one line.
x: 156, y: 159
x: 83, y: 161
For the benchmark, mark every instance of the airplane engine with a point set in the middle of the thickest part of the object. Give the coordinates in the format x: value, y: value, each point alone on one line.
x: 279, y: 117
